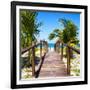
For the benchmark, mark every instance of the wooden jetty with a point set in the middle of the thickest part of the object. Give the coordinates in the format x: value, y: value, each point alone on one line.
x: 53, y: 66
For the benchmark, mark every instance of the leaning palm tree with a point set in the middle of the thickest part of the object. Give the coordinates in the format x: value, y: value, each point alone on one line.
x: 69, y: 33
x: 56, y: 34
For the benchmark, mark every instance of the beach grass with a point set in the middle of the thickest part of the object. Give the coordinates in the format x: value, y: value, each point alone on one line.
x: 74, y: 62
x: 26, y: 72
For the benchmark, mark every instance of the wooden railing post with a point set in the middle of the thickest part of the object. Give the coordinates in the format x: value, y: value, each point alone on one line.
x: 46, y: 47
x: 58, y: 47
x: 68, y: 60
x: 62, y: 51
x: 55, y: 47
x: 45, y: 44
x: 33, y: 61
x: 40, y: 50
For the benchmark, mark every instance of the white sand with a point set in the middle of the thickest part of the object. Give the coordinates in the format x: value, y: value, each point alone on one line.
x: 50, y: 49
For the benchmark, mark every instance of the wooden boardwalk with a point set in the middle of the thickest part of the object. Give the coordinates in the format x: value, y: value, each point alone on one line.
x: 53, y: 66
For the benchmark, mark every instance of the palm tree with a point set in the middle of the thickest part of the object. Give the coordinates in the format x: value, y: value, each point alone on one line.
x: 58, y: 35
x: 68, y: 34
x: 29, y: 29
x: 55, y: 34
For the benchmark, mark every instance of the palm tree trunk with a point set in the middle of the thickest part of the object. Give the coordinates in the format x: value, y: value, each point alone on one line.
x: 71, y: 53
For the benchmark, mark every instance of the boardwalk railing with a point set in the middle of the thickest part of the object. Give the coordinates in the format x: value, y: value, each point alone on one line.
x: 69, y: 49
x: 68, y: 53
x: 32, y: 48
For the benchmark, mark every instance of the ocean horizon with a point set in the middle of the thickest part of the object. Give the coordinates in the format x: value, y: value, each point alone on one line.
x: 51, y: 45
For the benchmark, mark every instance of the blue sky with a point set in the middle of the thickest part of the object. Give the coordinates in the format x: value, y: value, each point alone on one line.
x: 50, y: 22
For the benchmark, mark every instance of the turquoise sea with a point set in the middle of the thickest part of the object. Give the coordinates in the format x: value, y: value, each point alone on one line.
x: 51, y: 45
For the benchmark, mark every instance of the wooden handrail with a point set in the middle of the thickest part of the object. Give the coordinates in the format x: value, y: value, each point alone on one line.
x: 74, y: 49
x: 68, y: 53
x: 69, y: 57
x: 28, y: 48
x: 33, y: 54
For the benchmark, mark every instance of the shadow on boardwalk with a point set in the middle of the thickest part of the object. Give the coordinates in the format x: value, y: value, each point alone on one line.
x: 52, y: 66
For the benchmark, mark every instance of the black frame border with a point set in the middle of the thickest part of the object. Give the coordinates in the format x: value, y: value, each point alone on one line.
x: 13, y: 44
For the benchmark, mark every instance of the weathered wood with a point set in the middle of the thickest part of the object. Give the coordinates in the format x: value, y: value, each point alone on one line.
x: 53, y: 66
x: 28, y: 48
x: 45, y: 44
x: 29, y: 56
x: 68, y: 60
x: 62, y: 51
x: 51, y: 60
x: 74, y: 49
x: 33, y: 61
x: 46, y: 47
x: 55, y: 47
x: 40, y: 50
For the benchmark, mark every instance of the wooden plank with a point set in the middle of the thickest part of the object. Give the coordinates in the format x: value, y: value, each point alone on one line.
x: 53, y: 66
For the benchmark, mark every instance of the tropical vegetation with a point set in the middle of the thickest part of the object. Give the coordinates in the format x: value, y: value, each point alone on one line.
x: 28, y: 31
x: 66, y: 35
x: 29, y: 27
